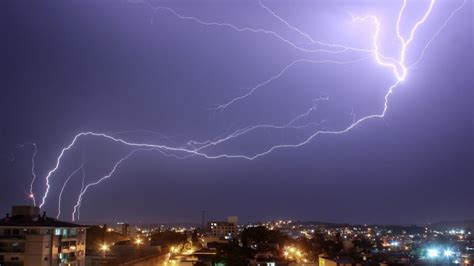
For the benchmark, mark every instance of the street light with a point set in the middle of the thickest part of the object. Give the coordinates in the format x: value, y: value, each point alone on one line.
x: 138, y: 241
x: 104, y: 247
x: 433, y: 253
x: 448, y: 253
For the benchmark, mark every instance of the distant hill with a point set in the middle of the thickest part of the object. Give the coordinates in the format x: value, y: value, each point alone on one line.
x: 466, y: 224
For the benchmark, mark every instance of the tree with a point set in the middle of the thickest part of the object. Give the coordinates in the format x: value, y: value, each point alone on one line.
x: 263, y: 237
x: 232, y: 255
x: 167, y: 238
x: 363, y: 243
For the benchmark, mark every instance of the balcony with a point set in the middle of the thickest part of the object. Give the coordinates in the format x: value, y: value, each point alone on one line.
x: 66, y: 237
x: 67, y: 257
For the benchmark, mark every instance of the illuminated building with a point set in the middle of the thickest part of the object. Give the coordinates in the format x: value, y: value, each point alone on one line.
x: 124, y: 229
x: 335, y: 261
x: 30, y: 239
x: 224, y: 229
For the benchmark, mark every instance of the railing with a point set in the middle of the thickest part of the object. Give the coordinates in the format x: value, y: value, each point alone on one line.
x: 68, y: 236
x: 67, y: 257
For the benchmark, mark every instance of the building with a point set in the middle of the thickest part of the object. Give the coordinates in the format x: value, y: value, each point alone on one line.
x: 30, y: 239
x: 224, y: 229
x: 124, y: 229
x: 335, y: 261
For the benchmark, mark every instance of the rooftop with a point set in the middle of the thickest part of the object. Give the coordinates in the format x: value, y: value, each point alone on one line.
x: 28, y: 216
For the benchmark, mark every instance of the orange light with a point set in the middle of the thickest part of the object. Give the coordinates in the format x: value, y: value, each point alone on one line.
x: 104, y: 247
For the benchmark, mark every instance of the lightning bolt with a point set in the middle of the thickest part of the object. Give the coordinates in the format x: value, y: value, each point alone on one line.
x: 397, y: 66
x: 33, y: 173
x: 31, y: 195
x: 78, y: 208
x: 86, y: 188
x: 64, y: 186
x: 281, y: 73
x: 338, y: 47
x: 242, y: 131
x: 422, y: 55
x: 406, y: 42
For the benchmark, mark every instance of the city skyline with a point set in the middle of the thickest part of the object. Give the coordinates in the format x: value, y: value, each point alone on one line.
x: 273, y: 112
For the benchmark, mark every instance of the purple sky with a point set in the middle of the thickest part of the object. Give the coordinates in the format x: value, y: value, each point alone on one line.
x: 113, y: 66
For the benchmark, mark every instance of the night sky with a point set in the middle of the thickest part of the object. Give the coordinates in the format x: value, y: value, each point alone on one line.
x: 121, y: 68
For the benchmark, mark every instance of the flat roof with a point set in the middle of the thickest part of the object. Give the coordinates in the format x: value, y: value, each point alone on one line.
x: 21, y: 221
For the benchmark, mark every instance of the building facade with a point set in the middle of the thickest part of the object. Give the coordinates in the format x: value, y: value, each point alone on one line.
x: 30, y: 239
x: 223, y: 229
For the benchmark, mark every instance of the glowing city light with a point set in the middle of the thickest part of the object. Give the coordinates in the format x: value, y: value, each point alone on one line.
x: 104, y: 247
x: 394, y: 244
x: 448, y: 253
x: 293, y: 253
x: 433, y: 253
